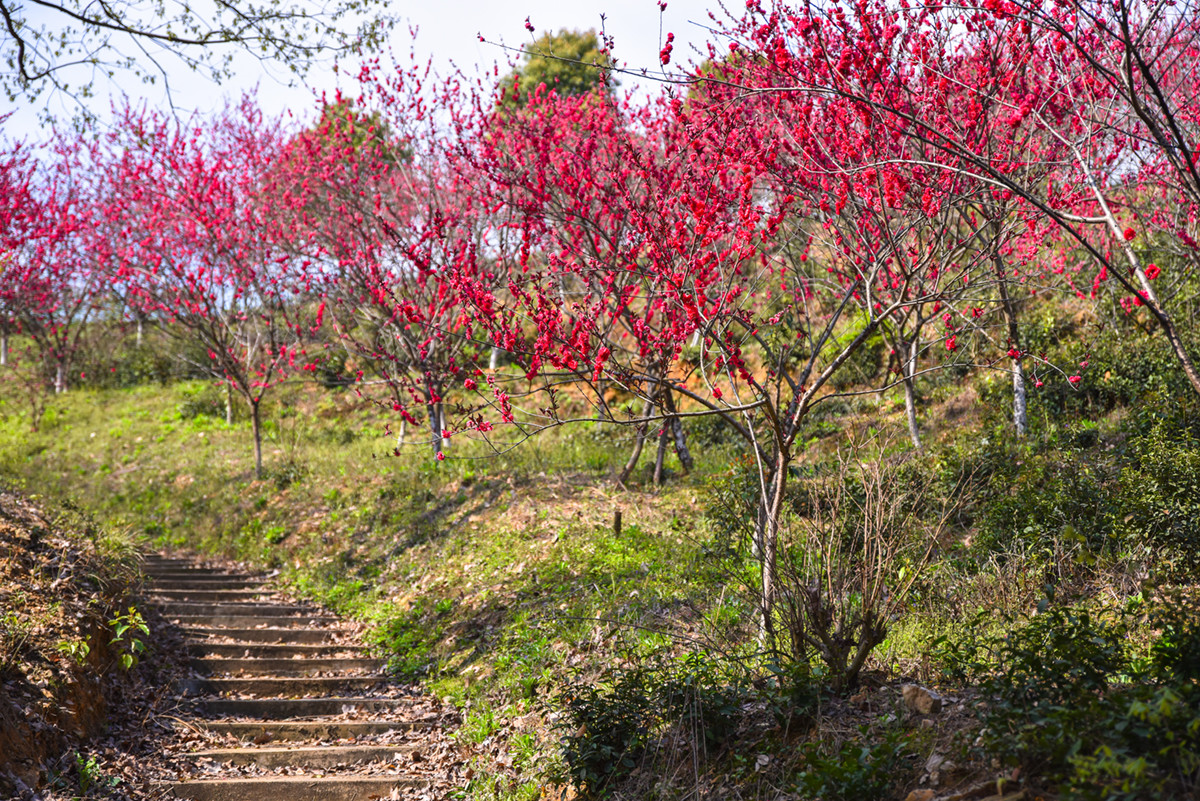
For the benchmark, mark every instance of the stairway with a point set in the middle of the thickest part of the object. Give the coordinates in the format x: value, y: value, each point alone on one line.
x: 281, y: 703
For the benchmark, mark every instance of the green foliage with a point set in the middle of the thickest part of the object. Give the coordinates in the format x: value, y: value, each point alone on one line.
x: 76, y: 650
x: 1074, y: 697
x: 865, y: 363
x: 570, y: 63
x: 128, y: 630
x: 1123, y: 365
x: 342, y: 125
x: 858, y: 770
x: 1159, y: 504
x: 408, y: 639
x: 611, y: 724
x: 202, y: 400
x: 14, y: 635
x: 1080, y: 506
x: 331, y: 372
x: 90, y: 773
x: 1048, y: 503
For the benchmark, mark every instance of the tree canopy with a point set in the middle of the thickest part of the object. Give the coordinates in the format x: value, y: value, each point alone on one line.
x: 570, y: 62
x: 68, y: 45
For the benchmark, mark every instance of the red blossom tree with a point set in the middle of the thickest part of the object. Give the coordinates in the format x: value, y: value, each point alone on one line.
x: 380, y: 199
x: 200, y: 242
x: 53, y: 275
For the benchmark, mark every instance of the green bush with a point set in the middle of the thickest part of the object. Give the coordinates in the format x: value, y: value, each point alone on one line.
x: 1160, y: 498
x: 1123, y: 366
x: 1040, y: 497
x: 858, y: 770
x: 611, y: 724
x: 1078, y: 501
x: 204, y: 400
x: 1075, y: 700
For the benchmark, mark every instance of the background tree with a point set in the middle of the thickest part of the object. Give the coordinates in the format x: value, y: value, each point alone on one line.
x: 570, y: 62
x: 199, y: 236
x: 53, y: 277
x: 16, y: 207
x: 382, y: 202
x: 68, y: 44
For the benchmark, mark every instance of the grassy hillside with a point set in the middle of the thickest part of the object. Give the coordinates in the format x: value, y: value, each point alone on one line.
x: 1035, y: 585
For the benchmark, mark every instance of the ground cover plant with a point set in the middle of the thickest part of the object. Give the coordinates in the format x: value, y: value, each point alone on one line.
x: 901, y: 299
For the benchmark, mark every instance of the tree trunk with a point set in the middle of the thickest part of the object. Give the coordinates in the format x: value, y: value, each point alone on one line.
x: 139, y: 332
x: 681, y: 447
x: 256, y: 428
x: 442, y: 426
x: 435, y: 428
x: 3, y: 348
x: 909, y: 369
x: 228, y: 404
x: 1020, y: 397
x: 60, y: 379
x: 1020, y: 402
x: 400, y: 436
x: 660, y: 456
x: 767, y: 542
x: 637, y: 448
x: 494, y: 358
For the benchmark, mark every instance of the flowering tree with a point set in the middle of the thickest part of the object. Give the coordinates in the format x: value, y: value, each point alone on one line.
x: 52, y: 277
x: 379, y: 199
x: 1100, y: 88
x: 16, y: 204
x: 772, y: 233
x: 199, y: 242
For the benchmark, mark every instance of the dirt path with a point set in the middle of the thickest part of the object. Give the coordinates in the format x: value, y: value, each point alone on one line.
x: 283, y: 703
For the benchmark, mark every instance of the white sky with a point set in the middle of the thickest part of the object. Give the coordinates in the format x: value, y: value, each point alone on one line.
x: 448, y: 30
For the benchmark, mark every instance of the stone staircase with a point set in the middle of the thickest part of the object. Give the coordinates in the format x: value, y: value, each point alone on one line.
x: 281, y: 703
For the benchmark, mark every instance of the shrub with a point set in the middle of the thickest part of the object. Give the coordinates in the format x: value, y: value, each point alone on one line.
x: 858, y: 770
x: 1159, y: 511
x: 611, y: 724
x: 1031, y: 504
x: 1073, y: 698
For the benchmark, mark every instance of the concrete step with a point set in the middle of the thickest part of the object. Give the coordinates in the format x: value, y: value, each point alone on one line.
x: 264, y: 635
x: 241, y: 622
x: 273, y: 651
x: 286, y: 667
x: 162, y: 597
x: 234, y: 609
x: 285, y: 708
x: 319, y: 757
x: 292, y: 788
x: 184, y: 571
x: 290, y: 687
x: 285, y: 731
x: 208, y: 583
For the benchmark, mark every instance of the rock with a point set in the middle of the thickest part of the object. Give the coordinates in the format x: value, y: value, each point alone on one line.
x: 920, y: 700
x: 935, y: 767
x: 920, y: 795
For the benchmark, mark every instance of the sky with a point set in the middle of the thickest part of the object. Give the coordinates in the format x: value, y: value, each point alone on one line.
x: 447, y: 30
